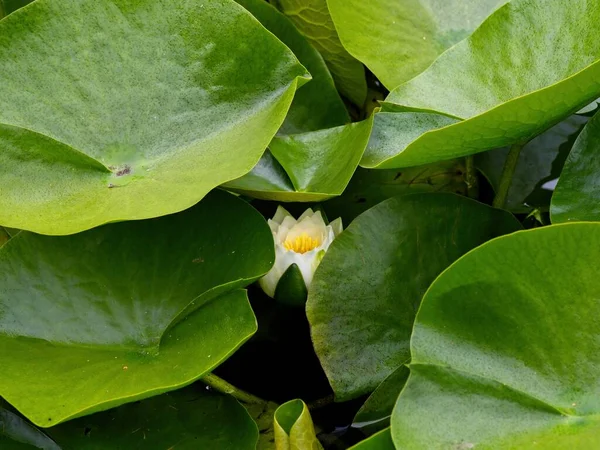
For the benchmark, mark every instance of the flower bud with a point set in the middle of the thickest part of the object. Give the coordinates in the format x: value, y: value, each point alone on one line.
x: 301, y: 243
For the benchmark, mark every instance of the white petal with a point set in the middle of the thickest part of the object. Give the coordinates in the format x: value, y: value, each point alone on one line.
x: 280, y: 214
x: 274, y: 226
x: 337, y: 226
x: 309, y: 212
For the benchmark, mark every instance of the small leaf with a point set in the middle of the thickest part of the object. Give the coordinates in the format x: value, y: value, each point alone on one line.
x: 506, y: 348
x: 374, y: 415
x: 307, y: 167
x: 312, y: 18
x: 17, y: 433
x: 512, y: 79
x: 577, y: 195
x: 317, y: 105
x: 540, y: 161
x: 294, y: 428
x: 398, y: 39
x: 368, y: 287
x: 379, y: 441
x: 291, y: 289
x: 128, y: 310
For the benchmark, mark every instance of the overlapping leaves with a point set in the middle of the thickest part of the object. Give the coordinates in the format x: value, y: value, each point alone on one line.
x: 126, y: 311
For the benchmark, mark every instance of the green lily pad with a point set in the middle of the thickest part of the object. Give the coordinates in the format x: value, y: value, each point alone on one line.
x: 506, y: 348
x: 187, y: 419
x: 312, y: 18
x: 9, y: 6
x: 463, y: 104
x: 132, y: 112
x: 379, y: 441
x: 367, y: 187
x: 307, y: 167
x: 540, y: 161
x: 374, y: 415
x: 398, y: 39
x: 294, y: 429
x: 577, y: 194
x: 365, y: 294
x: 317, y: 105
x: 128, y: 310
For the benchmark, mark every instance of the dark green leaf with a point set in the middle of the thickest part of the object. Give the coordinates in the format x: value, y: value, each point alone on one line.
x: 291, y: 289
x: 577, y: 195
x: 136, y: 110
x: 512, y: 79
x: 366, y: 291
x: 541, y: 161
x: 128, y: 310
x: 312, y: 18
x: 379, y: 441
x: 506, y: 348
x: 317, y: 105
x: 17, y: 433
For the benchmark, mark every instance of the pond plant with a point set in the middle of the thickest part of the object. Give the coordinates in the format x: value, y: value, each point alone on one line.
x: 299, y: 224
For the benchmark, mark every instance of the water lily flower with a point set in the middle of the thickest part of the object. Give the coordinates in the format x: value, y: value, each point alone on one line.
x: 302, y: 242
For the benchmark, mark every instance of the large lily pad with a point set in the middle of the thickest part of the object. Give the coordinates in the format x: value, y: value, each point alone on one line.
x: 126, y: 311
x: 187, y: 419
x: 398, y: 39
x: 512, y: 79
x: 307, y: 167
x: 368, y: 287
x: 317, y: 105
x: 577, y: 194
x: 312, y: 18
x: 506, y: 348
x: 136, y: 110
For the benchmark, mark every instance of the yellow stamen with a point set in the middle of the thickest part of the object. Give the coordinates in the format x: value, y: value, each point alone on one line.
x: 302, y: 244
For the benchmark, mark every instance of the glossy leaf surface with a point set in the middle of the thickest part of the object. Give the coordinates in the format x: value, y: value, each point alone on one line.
x: 464, y: 103
x: 126, y: 311
x: 506, y: 348
x: 312, y: 18
x: 136, y: 110
x: 577, y: 194
x: 365, y: 294
x: 317, y: 105
x: 294, y: 429
x: 379, y: 441
x: 307, y: 167
x: 398, y: 39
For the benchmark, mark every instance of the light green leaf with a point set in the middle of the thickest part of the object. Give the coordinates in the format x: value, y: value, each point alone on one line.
x: 577, y: 195
x: 379, y: 441
x: 133, y: 112
x: 512, y: 79
x: 128, y: 310
x: 368, y: 287
x: 374, y: 415
x: 367, y: 188
x: 294, y: 428
x: 312, y: 18
x: 398, y: 39
x: 540, y: 161
x: 307, y: 167
x: 317, y: 105
x: 506, y: 348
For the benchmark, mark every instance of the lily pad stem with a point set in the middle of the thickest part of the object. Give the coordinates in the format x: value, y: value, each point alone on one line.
x: 219, y: 384
x: 507, y: 174
x: 471, y: 177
